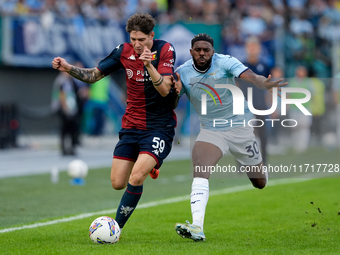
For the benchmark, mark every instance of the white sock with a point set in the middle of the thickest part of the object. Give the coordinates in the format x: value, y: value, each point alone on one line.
x: 199, y: 199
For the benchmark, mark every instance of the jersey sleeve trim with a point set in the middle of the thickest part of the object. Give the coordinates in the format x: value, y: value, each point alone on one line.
x: 242, y: 72
x: 166, y: 74
x: 100, y: 70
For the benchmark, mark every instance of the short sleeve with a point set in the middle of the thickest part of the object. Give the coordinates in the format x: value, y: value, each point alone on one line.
x: 167, y: 60
x: 112, y: 62
x: 234, y: 66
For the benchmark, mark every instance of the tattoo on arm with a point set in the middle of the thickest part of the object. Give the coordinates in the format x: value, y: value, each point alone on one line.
x: 88, y: 75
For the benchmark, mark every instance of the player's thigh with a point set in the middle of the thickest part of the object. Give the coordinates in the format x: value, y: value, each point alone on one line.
x: 243, y: 146
x: 157, y: 144
x: 141, y: 169
x: 120, y: 172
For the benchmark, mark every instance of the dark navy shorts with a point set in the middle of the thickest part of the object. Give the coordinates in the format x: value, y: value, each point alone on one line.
x: 132, y: 142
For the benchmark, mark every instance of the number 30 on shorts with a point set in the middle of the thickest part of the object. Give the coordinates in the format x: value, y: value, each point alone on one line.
x: 159, y: 144
x: 253, y: 149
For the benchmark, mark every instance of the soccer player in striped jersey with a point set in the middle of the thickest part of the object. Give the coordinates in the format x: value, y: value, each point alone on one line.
x: 148, y: 124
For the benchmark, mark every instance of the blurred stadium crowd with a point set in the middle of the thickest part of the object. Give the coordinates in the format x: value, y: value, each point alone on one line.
x: 307, y: 27
x: 294, y: 34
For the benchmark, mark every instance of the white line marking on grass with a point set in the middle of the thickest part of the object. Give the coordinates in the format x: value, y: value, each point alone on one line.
x: 154, y: 203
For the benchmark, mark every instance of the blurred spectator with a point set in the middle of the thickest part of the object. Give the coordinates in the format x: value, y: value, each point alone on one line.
x: 302, y: 132
x: 96, y: 109
x: 179, y: 11
x: 336, y: 98
x: 8, y: 7
x: 275, y: 130
x: 253, y: 23
x: 65, y: 103
x: 82, y: 96
x: 21, y: 7
x: 318, y: 107
x: 89, y: 10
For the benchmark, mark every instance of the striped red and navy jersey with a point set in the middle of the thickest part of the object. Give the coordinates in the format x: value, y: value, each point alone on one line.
x: 146, y: 108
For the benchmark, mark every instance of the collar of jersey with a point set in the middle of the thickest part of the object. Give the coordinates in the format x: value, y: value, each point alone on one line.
x: 204, y: 71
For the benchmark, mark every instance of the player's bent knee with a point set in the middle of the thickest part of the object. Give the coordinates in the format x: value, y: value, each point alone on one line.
x: 118, y: 185
x: 137, y: 179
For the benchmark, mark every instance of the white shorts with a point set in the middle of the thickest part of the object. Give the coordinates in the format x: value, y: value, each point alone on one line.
x: 240, y: 141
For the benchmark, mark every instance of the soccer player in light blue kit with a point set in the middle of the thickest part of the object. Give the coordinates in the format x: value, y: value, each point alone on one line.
x: 199, y: 76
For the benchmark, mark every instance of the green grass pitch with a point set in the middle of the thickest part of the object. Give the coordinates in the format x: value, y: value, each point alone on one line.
x: 293, y: 218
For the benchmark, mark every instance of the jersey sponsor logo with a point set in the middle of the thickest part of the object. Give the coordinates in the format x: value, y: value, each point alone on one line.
x: 171, y: 48
x: 132, y: 57
x: 169, y: 65
x: 129, y: 73
x: 172, y: 61
x: 143, y: 80
x: 142, y: 73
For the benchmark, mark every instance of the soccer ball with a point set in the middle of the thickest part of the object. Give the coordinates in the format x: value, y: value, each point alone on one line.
x: 77, y: 169
x: 104, y: 230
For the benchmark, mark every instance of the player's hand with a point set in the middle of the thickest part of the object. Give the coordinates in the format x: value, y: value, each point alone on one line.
x: 61, y: 64
x: 177, y: 85
x: 146, y: 56
x: 269, y: 85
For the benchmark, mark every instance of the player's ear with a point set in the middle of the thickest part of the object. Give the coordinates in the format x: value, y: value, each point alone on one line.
x: 152, y: 34
x: 191, y: 52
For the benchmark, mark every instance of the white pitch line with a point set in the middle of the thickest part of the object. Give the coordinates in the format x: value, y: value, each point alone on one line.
x: 154, y: 203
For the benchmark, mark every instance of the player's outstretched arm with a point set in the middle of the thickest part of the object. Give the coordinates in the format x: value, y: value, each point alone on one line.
x: 262, y: 82
x: 88, y: 75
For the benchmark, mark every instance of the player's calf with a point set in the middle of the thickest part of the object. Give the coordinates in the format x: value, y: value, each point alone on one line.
x: 259, y: 183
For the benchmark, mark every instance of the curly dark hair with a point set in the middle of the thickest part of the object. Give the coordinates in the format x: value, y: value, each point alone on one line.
x: 143, y: 22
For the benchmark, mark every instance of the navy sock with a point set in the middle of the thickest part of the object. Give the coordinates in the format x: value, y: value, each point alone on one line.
x: 128, y: 203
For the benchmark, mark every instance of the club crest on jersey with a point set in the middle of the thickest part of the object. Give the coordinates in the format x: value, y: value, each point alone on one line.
x: 154, y: 56
x: 213, y: 74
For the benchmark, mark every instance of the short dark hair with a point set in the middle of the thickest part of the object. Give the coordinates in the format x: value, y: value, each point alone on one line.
x: 142, y: 22
x: 202, y: 37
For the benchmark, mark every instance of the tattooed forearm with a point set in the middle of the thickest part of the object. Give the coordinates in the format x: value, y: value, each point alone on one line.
x: 88, y: 75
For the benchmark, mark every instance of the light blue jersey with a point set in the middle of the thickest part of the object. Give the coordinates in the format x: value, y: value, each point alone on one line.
x: 223, y: 70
